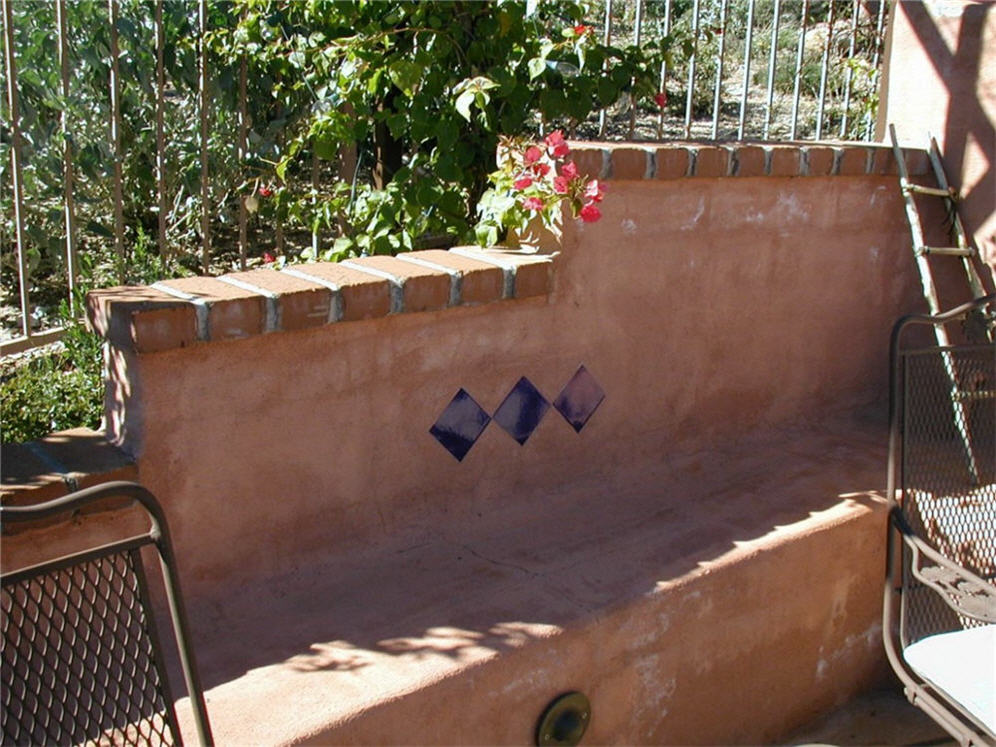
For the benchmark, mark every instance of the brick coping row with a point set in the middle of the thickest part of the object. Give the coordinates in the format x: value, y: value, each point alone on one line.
x: 741, y: 159
x: 179, y: 313
x: 182, y: 312
x: 57, y: 465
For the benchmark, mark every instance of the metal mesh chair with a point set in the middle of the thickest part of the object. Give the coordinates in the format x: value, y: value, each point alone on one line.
x: 940, y: 598
x: 81, y: 659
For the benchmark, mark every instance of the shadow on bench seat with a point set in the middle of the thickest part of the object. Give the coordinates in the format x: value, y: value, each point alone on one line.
x: 651, y: 600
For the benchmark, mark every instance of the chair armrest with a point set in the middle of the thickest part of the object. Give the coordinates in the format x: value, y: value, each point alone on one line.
x: 963, y: 591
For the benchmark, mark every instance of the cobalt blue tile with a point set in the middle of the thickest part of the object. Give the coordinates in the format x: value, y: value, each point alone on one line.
x: 522, y: 410
x: 579, y: 399
x: 460, y: 425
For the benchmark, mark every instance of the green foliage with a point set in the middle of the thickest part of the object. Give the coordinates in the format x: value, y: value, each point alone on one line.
x: 54, y: 391
x: 419, y: 91
x: 425, y: 90
x: 63, y: 388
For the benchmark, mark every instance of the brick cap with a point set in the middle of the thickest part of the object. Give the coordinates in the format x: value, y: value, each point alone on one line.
x: 179, y: 313
x: 58, y: 464
x: 719, y: 159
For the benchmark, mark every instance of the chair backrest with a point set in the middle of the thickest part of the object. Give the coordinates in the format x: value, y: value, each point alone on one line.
x: 82, y: 659
x: 943, y: 462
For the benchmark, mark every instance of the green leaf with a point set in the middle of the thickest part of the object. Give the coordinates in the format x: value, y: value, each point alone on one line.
x: 281, y: 169
x: 99, y: 229
x: 326, y: 148
x: 536, y: 67
x: 405, y: 75
x: 463, y: 102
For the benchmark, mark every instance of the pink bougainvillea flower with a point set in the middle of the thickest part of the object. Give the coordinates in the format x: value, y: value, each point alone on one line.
x: 533, y: 154
x: 581, y: 29
x: 557, y: 145
x: 590, y: 213
x: 532, y: 203
x: 541, y: 169
x: 523, y: 182
x: 594, y: 191
x: 561, y: 185
x: 661, y: 99
x: 268, y: 258
x: 265, y: 192
x: 570, y: 170
x: 554, y: 138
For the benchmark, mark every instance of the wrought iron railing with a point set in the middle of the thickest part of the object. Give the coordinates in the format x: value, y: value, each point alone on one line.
x: 754, y: 69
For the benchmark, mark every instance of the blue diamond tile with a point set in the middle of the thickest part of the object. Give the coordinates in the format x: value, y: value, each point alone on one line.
x: 579, y: 399
x: 460, y: 425
x: 522, y: 410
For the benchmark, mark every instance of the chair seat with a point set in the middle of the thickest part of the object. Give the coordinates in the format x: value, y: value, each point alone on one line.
x: 963, y: 665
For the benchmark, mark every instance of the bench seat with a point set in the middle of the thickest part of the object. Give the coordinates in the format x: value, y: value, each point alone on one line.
x: 698, y: 605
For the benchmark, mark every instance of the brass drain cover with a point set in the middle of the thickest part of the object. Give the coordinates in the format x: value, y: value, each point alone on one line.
x: 564, y: 721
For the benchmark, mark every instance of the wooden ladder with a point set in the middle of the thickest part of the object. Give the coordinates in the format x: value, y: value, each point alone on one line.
x: 963, y: 249
x: 980, y: 327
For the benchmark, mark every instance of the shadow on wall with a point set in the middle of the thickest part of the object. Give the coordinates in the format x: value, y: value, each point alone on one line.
x: 965, y: 74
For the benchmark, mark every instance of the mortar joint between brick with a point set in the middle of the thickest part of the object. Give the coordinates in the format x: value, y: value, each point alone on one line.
x: 733, y: 162
x: 693, y: 159
x: 507, y: 268
x: 395, y: 284
x: 201, y: 308
x: 273, y: 321
x: 838, y: 159
x: 804, y: 161
x: 768, y: 155
x: 651, y: 171
x: 606, y: 164
x: 335, y: 303
x: 456, y: 277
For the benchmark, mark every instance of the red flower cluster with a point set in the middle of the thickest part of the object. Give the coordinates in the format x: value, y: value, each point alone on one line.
x: 538, y: 193
x: 265, y: 192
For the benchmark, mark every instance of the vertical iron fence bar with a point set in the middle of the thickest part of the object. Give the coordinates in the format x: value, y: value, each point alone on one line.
x: 68, y: 175
x: 243, y: 137
x: 13, y: 109
x: 637, y: 23
x: 112, y: 10
x: 717, y: 97
x: 869, y: 122
x: 315, y: 238
x: 691, y: 69
x: 824, y: 68
x: 855, y: 7
x: 663, y: 82
x: 161, y: 131
x: 748, y: 44
x: 772, y: 59
x: 606, y: 39
x: 798, y: 69
x: 203, y: 85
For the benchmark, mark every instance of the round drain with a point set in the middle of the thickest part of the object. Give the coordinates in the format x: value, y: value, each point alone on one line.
x: 564, y: 721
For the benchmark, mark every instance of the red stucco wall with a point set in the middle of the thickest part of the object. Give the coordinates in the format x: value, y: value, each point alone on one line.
x: 940, y: 77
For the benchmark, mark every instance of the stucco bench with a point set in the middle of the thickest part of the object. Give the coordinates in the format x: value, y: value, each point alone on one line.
x: 651, y: 600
